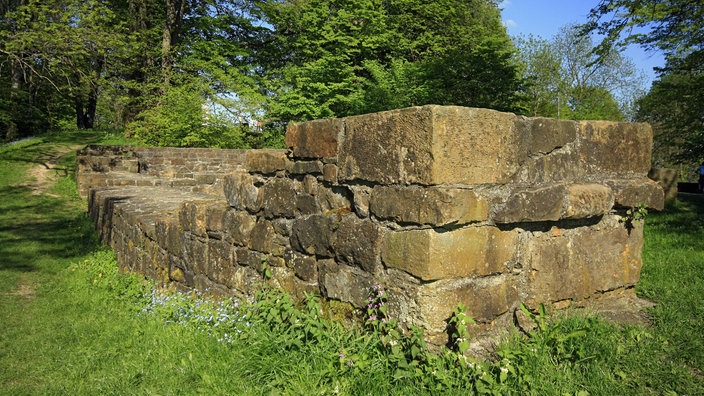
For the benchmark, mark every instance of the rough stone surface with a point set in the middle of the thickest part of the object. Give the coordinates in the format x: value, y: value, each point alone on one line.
x: 430, y: 255
x: 344, y: 283
x: 315, y: 235
x: 433, y: 145
x: 314, y: 139
x: 241, y: 193
x: 620, y: 148
x: 279, y: 198
x: 634, y: 192
x: 588, y: 200
x: 667, y: 179
x: 357, y: 243
x: 532, y: 205
x: 574, y: 264
x: 266, y: 161
x: 436, y: 206
x: 548, y: 135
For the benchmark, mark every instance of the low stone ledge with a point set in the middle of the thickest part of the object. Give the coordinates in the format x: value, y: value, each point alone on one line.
x: 437, y: 206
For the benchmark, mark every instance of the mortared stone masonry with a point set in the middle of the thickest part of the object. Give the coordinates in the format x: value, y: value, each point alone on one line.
x: 439, y: 205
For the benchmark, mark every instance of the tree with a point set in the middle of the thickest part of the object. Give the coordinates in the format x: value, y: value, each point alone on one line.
x: 339, y: 58
x: 64, y: 45
x: 674, y: 104
x: 675, y: 27
x: 565, y: 80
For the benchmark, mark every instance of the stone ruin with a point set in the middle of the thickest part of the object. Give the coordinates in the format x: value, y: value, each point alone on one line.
x: 439, y: 205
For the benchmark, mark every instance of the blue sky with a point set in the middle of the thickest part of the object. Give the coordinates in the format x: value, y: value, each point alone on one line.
x: 544, y: 17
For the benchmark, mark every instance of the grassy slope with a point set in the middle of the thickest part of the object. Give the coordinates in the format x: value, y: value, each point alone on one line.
x: 68, y: 327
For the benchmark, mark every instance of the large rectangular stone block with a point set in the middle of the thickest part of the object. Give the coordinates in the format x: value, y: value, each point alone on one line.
x: 429, y: 254
x: 314, y: 139
x: 266, y: 161
x: 436, y: 206
x: 433, y: 145
x: 616, y: 147
x: 532, y: 204
x: 581, y: 263
x: 633, y: 192
x: 548, y: 134
x: 588, y: 200
x: 485, y: 298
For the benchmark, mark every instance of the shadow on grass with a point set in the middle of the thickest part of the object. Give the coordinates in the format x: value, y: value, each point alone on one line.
x: 686, y: 217
x: 34, y: 229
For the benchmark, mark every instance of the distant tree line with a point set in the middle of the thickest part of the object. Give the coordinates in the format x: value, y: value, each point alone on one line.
x: 231, y: 73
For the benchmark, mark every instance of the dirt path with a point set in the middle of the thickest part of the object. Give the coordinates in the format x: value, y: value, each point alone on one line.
x: 43, y: 175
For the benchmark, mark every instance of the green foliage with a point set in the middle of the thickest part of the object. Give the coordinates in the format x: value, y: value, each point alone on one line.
x: 634, y: 215
x: 565, y: 79
x: 671, y: 26
x: 183, y: 119
x: 346, y: 58
x: 674, y: 104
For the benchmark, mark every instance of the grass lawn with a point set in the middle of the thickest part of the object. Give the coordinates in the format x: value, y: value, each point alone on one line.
x: 70, y: 323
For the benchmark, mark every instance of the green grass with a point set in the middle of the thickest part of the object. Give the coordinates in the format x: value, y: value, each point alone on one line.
x: 70, y: 323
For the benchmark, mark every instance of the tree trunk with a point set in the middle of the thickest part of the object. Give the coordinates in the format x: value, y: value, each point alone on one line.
x: 174, y: 16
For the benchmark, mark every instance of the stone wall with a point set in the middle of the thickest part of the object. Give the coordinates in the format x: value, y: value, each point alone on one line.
x: 198, y: 168
x: 439, y: 205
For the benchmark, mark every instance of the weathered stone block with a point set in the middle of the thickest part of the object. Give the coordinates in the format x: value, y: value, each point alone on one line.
x: 578, y: 264
x: 345, y: 283
x: 485, y: 299
x: 315, y: 235
x: 305, y: 267
x: 429, y: 254
x: 192, y: 215
x: 330, y: 172
x: 361, y: 197
x: 433, y: 145
x: 560, y: 165
x: 306, y: 204
x: 548, y: 134
x: 621, y: 148
x: 221, y: 261
x: 245, y: 279
x: 238, y: 226
x: 667, y: 179
x: 194, y: 253
x: 588, y: 200
x: 357, y: 243
x: 279, y: 197
x: 306, y: 167
x: 283, y: 279
x: 314, y: 139
x: 241, y: 193
x: 436, y: 206
x: 633, y: 192
x: 533, y: 204
x: 335, y: 200
x: 266, y: 240
x: 266, y: 161
x: 214, y: 214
